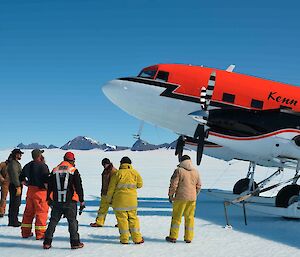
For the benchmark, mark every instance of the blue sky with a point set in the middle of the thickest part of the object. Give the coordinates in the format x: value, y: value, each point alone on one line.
x: 56, y: 54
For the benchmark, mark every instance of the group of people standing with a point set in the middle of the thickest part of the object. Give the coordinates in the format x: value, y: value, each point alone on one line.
x: 119, y: 190
x: 62, y: 189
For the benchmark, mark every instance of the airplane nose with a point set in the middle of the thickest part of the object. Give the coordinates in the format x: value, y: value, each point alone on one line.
x: 108, y: 88
x: 113, y: 89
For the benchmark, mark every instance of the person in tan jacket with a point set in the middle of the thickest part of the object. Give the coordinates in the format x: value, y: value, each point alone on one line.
x: 4, y: 183
x: 184, y: 187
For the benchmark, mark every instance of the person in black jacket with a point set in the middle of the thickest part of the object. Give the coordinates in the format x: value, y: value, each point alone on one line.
x: 66, y: 187
x: 35, y: 176
x: 14, y: 169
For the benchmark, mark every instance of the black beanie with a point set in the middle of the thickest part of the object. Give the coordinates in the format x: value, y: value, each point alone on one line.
x: 125, y: 159
x: 185, y: 157
x: 105, y: 161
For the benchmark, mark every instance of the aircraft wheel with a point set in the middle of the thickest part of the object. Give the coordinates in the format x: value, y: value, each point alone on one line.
x: 242, y: 186
x: 287, y: 196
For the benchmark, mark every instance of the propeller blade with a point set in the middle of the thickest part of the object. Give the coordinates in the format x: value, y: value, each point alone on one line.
x: 200, y: 147
x: 203, y: 98
x: 200, y: 135
x: 199, y: 132
x: 179, y: 147
x: 210, y: 88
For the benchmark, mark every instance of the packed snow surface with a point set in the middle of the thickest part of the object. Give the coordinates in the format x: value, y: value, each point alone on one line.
x: 264, y: 235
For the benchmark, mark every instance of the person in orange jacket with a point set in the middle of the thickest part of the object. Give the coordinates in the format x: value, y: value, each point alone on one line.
x: 35, y: 176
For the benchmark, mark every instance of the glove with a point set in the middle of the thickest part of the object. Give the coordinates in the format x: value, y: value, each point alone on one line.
x: 19, y: 191
x: 81, y: 208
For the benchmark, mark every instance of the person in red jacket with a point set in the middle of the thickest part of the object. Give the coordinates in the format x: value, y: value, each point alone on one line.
x: 65, y: 186
x: 35, y: 176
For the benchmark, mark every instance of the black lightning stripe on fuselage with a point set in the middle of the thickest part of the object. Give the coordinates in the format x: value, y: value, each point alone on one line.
x: 169, y: 92
x: 170, y: 88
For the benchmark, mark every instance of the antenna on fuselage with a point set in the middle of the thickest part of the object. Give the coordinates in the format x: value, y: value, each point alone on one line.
x: 137, y: 136
x: 230, y: 68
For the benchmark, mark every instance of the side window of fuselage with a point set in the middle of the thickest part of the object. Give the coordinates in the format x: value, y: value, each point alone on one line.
x: 148, y: 73
x: 257, y: 104
x: 162, y: 76
x: 229, y: 98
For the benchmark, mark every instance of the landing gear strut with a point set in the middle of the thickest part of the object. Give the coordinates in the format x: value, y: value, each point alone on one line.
x: 246, y: 185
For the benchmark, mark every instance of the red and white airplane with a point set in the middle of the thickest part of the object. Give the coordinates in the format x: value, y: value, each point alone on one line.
x: 224, y: 114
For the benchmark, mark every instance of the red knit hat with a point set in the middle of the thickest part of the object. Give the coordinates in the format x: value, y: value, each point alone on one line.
x: 69, y: 156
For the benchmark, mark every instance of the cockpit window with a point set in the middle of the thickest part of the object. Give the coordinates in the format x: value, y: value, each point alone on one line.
x: 149, y: 74
x: 162, y: 76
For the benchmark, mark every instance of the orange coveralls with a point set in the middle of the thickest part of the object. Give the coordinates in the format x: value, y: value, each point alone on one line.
x: 36, y: 207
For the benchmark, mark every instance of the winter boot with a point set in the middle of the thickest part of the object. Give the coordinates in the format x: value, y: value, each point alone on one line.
x: 170, y: 239
x: 46, y: 246
x: 77, y: 246
x: 47, y: 243
x: 95, y: 225
x: 141, y: 242
x: 18, y: 224
x: 40, y: 237
x: 27, y: 235
x: 188, y: 241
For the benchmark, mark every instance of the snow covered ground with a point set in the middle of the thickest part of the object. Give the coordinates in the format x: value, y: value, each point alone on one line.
x: 264, y: 235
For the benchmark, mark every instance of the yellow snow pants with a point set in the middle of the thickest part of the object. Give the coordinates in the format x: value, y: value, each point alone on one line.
x: 102, y: 212
x: 186, y: 209
x: 128, y: 224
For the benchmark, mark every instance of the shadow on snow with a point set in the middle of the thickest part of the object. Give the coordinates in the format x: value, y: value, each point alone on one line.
x: 211, y: 209
x: 208, y: 208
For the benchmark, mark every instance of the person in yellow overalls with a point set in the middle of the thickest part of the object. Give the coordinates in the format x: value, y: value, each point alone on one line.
x: 123, y: 196
x: 107, y: 173
x: 184, y: 187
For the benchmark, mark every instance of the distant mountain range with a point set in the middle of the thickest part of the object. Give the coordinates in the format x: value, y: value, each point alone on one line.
x: 141, y: 145
x: 86, y: 143
x: 32, y: 146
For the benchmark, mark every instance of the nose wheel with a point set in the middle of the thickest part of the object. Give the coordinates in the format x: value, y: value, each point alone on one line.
x: 243, y: 186
x: 247, y: 185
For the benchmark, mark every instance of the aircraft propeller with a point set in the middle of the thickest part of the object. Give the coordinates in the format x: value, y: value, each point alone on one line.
x: 201, y: 116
